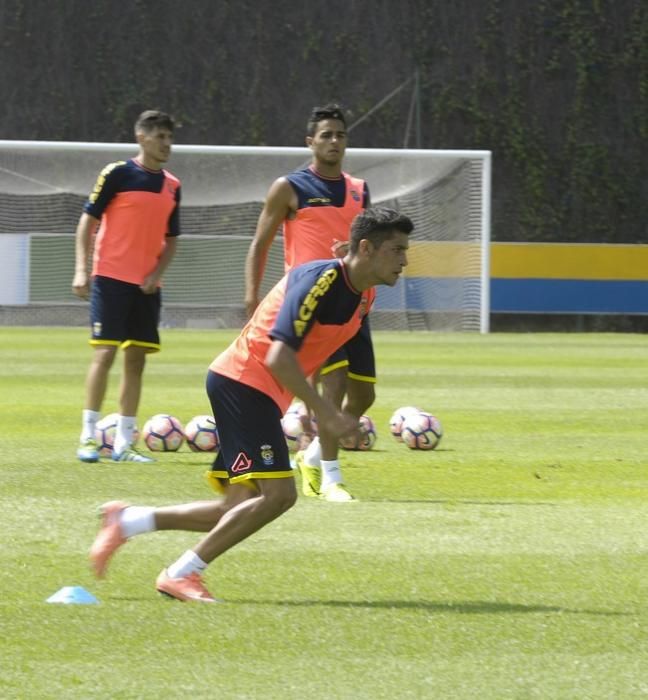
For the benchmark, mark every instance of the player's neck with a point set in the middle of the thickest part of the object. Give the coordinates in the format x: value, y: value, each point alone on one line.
x: 327, y: 170
x: 148, y: 162
x: 355, y: 275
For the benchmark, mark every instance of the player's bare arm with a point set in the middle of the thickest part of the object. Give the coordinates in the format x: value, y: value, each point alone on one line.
x: 280, y: 204
x: 281, y: 360
x: 150, y: 282
x: 85, y: 228
x: 340, y: 248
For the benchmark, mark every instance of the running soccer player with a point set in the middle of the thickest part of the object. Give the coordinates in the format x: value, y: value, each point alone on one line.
x: 311, y: 311
x: 316, y: 205
x: 134, y: 204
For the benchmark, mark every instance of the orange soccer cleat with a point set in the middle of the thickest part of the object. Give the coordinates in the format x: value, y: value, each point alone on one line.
x: 109, y: 538
x: 187, y: 588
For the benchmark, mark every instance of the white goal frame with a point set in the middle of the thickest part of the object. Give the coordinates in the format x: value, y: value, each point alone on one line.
x: 299, y: 155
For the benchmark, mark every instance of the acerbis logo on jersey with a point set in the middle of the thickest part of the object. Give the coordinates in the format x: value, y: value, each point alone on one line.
x: 311, y: 300
x: 242, y: 463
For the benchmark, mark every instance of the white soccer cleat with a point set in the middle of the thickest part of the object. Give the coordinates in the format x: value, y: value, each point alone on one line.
x: 130, y: 454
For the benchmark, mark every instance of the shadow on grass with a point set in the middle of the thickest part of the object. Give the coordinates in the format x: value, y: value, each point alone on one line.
x: 461, y: 608
x: 467, y: 607
x: 457, y: 501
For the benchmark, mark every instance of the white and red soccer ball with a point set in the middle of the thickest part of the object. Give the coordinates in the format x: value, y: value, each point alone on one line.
x: 293, y: 429
x: 298, y: 427
x: 421, y: 431
x: 105, y: 430
x: 163, y: 433
x: 396, y: 421
x: 363, y: 439
x: 201, y: 434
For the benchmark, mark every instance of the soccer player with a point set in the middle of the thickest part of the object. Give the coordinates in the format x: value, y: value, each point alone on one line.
x: 134, y: 204
x: 316, y: 205
x: 314, y: 309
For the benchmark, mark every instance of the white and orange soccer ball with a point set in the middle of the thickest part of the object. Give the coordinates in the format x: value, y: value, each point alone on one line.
x: 396, y: 421
x: 363, y: 439
x: 201, y: 434
x: 163, y: 433
x: 105, y: 430
x: 421, y: 431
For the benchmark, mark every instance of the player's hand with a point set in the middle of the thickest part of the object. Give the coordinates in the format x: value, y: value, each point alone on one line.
x: 339, y: 248
x: 81, y: 285
x: 149, y: 284
x: 359, y: 433
x: 338, y: 423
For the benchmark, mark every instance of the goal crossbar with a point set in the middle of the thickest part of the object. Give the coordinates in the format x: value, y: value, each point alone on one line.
x: 446, y: 192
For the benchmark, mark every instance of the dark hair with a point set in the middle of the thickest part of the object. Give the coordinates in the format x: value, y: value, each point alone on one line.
x: 319, y: 114
x: 377, y: 224
x: 153, y: 119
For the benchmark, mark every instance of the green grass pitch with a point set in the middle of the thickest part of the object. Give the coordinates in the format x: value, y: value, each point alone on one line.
x: 511, y: 562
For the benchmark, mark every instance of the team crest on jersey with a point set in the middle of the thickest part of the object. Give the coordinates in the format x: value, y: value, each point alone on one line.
x: 355, y: 196
x: 242, y: 463
x: 96, y: 328
x: 267, y: 455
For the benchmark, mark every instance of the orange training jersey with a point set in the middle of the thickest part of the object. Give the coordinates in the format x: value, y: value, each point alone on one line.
x: 138, y: 209
x: 314, y: 309
x: 325, y: 209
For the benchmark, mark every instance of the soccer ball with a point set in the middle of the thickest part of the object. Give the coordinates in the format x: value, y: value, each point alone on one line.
x: 293, y: 429
x: 163, y: 433
x: 105, y: 430
x: 363, y: 439
x: 421, y: 431
x: 297, y: 427
x: 202, y: 435
x: 396, y: 421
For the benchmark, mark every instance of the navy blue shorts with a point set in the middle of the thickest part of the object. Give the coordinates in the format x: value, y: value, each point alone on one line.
x: 121, y: 314
x: 357, y: 354
x: 252, y: 441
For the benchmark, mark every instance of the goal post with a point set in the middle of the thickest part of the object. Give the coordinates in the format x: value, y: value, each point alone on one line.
x: 43, y: 186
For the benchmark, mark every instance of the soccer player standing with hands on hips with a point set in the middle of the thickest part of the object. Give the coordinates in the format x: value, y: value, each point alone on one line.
x: 316, y: 205
x: 135, y: 205
x: 314, y: 309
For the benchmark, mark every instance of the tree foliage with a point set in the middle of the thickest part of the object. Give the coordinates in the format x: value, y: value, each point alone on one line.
x: 557, y: 89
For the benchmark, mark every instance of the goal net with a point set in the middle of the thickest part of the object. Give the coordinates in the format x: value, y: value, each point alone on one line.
x: 43, y: 186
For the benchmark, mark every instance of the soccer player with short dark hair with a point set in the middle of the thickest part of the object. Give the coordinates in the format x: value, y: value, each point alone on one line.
x: 315, y: 205
x: 133, y: 214
x: 314, y: 309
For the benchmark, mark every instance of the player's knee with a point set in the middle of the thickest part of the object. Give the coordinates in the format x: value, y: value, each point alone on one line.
x: 360, y: 397
x: 134, y: 360
x: 280, y: 495
x: 104, y: 356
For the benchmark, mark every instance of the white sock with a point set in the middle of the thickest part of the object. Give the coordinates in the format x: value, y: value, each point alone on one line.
x: 124, y: 433
x: 331, y: 473
x: 188, y: 563
x: 136, y: 520
x: 88, y: 423
x: 313, y: 453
